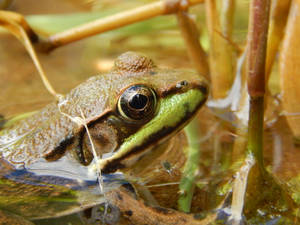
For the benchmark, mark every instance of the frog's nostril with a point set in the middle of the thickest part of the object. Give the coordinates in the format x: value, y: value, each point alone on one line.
x: 182, y: 84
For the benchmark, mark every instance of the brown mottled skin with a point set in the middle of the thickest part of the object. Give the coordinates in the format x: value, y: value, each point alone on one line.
x: 49, y: 135
x: 138, y: 213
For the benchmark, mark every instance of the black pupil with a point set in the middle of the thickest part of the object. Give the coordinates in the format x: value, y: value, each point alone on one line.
x: 138, y: 101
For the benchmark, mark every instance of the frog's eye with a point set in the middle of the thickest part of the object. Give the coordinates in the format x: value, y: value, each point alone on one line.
x: 137, y: 102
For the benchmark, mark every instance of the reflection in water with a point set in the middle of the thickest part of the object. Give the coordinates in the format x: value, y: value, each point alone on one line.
x: 277, y: 155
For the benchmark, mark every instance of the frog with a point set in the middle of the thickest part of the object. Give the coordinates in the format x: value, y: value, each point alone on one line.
x: 48, y: 161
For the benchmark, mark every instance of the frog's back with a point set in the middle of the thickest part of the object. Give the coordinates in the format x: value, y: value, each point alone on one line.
x: 38, y: 135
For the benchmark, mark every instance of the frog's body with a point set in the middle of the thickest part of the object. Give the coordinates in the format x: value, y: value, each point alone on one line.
x: 46, y: 158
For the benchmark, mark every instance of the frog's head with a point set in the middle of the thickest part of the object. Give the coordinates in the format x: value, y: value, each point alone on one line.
x: 141, y: 105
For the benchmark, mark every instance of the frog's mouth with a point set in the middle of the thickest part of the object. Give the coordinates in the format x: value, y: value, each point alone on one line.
x: 174, y: 113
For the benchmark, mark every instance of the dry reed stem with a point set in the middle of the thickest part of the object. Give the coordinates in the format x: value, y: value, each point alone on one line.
x: 278, y: 18
x: 220, y: 53
x: 115, y: 21
x: 190, y: 35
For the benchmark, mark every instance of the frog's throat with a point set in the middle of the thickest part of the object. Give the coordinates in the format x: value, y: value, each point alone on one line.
x: 174, y: 112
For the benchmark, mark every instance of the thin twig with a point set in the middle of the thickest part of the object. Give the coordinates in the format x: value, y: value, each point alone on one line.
x: 81, y: 121
x: 17, y: 25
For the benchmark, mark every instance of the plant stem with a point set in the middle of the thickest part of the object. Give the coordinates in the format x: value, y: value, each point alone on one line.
x: 278, y: 18
x: 113, y: 22
x: 255, y: 129
x: 256, y: 47
x: 187, y: 183
x: 257, y: 44
x: 190, y: 35
x: 220, y: 52
x: 227, y: 17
